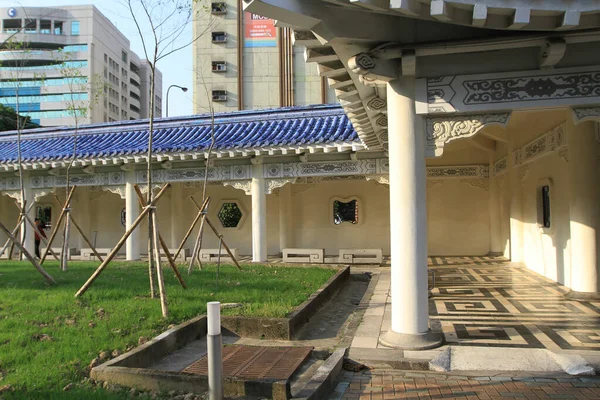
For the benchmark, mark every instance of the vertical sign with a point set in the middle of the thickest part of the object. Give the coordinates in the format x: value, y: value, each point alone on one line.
x: 259, y: 31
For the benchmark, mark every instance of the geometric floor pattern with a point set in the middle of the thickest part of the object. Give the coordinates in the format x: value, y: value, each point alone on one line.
x: 488, y: 301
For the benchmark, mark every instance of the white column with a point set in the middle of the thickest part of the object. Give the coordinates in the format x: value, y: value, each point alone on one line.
x: 176, y: 214
x: 494, y: 204
x: 584, y: 200
x: 285, y: 217
x: 516, y: 204
x: 132, y: 210
x: 29, y: 238
x: 82, y: 214
x: 408, y: 221
x: 259, y: 214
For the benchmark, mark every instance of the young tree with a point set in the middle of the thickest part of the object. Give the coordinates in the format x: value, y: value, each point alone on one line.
x: 83, y: 94
x: 161, y: 25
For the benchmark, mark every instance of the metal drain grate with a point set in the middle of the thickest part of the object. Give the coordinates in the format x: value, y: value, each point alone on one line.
x: 254, y: 362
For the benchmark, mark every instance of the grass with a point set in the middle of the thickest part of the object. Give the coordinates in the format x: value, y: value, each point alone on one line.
x: 114, y: 313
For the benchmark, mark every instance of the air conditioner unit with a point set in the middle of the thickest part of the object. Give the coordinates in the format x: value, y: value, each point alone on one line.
x: 219, y: 95
x: 219, y: 37
x: 218, y: 8
x: 219, y: 66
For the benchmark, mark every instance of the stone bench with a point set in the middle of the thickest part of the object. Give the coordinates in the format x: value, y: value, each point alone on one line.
x: 183, y: 254
x: 58, y: 251
x: 313, y: 256
x: 88, y: 254
x: 212, y: 255
x: 361, y: 256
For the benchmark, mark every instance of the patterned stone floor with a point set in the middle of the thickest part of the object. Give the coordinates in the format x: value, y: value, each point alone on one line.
x: 486, y: 301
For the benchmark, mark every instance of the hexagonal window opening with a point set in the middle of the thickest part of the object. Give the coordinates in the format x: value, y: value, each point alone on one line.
x: 230, y: 215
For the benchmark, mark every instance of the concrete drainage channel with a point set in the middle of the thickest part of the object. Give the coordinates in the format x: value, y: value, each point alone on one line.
x: 175, y: 360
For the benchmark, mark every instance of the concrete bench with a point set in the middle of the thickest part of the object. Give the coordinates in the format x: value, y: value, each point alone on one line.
x: 313, y: 256
x: 88, y: 254
x: 183, y: 254
x: 212, y: 255
x: 361, y: 256
x: 58, y: 251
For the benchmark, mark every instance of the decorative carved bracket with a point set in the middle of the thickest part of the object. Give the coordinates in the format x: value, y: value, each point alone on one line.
x: 39, y: 193
x: 443, y: 130
x: 245, y: 185
x: 374, y: 68
x: 119, y: 190
x: 383, y: 180
x: 582, y: 114
x: 272, y: 184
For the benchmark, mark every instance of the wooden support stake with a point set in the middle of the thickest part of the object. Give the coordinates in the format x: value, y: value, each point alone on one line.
x: 121, y: 242
x: 159, y: 274
x: 142, y: 202
x: 17, y: 227
x: 189, y: 232
x: 24, y: 251
x: 197, y: 246
x: 76, y: 225
x: 58, y: 222
x: 218, y: 235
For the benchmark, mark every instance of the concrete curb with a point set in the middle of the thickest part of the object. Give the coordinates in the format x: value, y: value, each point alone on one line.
x: 323, y: 381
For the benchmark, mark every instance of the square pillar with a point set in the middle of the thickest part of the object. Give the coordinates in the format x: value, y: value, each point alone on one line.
x: 408, y: 222
x: 584, y: 214
x: 285, y: 217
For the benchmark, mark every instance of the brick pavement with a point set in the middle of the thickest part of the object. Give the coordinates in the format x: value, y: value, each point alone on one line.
x: 417, y: 385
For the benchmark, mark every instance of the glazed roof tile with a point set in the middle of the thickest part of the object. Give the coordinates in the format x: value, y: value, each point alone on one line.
x: 256, y: 130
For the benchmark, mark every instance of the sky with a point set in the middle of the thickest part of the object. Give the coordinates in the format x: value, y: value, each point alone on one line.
x: 176, y: 68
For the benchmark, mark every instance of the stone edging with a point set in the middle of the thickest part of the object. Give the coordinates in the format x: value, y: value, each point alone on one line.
x: 285, y: 328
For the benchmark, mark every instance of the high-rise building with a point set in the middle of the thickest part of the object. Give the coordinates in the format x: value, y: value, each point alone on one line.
x: 243, y: 61
x: 57, y: 61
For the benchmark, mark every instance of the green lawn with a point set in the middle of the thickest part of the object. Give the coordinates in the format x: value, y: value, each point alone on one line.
x: 48, y: 337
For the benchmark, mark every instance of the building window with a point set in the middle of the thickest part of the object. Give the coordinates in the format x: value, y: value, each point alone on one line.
x: 219, y: 37
x: 44, y: 214
x: 12, y: 25
x: 219, y: 95
x: 105, y: 58
x: 219, y: 66
x: 45, y: 27
x: 218, y: 8
x: 75, y: 28
x: 124, y: 55
x: 230, y: 215
x: 30, y: 26
x: 58, y: 28
x: 345, y: 211
x: 544, y: 215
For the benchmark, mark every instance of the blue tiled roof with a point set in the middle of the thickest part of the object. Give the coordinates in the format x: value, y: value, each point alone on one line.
x: 293, y: 126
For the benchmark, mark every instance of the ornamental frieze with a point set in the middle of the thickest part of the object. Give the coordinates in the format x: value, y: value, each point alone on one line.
x: 550, y: 142
x: 512, y: 90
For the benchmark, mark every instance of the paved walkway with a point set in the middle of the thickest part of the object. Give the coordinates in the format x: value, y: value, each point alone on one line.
x: 483, y: 301
x: 392, y: 384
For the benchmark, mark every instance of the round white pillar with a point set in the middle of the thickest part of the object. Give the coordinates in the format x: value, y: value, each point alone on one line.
x: 408, y: 221
x: 29, y: 238
x: 584, y: 199
x: 132, y: 210
x: 259, y: 214
x: 176, y: 214
x: 285, y: 217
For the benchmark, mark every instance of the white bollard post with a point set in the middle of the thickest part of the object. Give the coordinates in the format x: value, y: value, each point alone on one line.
x: 214, y: 344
